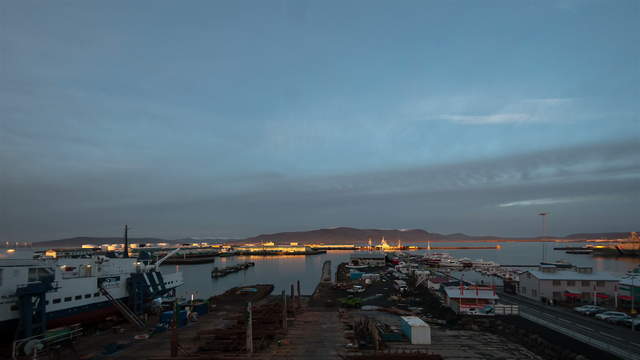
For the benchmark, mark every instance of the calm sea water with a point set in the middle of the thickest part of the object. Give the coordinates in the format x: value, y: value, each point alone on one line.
x: 282, y: 271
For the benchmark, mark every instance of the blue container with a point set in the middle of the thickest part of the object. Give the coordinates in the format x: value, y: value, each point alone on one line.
x: 167, y: 318
x: 355, y: 275
x: 201, y: 309
x: 182, y: 318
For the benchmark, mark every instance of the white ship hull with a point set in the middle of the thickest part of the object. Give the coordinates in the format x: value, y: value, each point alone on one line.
x: 76, y: 296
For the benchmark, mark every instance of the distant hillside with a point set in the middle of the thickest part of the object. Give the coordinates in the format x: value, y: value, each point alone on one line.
x: 340, y: 235
x: 608, y: 235
x: 347, y: 235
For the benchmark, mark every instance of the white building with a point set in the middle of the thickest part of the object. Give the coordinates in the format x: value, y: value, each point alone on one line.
x: 469, y: 299
x: 580, y: 283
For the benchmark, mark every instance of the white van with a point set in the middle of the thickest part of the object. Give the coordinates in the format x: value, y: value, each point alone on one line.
x: 400, y: 285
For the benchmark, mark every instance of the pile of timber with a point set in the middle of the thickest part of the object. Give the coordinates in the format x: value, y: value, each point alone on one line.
x: 238, y: 297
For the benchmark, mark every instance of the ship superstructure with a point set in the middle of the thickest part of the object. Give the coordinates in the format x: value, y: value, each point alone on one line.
x: 74, y: 290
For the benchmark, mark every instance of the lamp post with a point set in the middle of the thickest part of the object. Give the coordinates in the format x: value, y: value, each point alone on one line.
x: 544, y: 233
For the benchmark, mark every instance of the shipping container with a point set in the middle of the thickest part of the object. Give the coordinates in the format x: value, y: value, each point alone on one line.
x: 416, y: 330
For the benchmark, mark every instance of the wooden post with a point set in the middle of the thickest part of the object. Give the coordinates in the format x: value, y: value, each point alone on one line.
x: 249, y: 329
x: 375, y: 336
x: 298, y: 294
x: 284, y: 310
x: 174, y: 331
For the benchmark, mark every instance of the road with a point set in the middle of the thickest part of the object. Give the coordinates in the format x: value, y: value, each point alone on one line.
x: 615, y: 339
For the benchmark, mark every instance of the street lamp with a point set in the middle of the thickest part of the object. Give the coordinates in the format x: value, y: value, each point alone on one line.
x: 544, y: 233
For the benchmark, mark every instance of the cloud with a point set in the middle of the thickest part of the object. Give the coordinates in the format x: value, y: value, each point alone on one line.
x: 547, y: 201
x: 549, y: 101
x: 456, y: 197
x: 488, y: 119
x: 534, y: 110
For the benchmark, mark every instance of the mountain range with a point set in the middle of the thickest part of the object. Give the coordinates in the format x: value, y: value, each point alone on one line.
x: 339, y: 235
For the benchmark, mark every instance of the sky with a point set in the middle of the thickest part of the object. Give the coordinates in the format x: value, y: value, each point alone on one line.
x: 235, y: 118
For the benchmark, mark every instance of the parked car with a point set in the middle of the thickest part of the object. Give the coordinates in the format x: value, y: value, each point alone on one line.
x: 635, y: 322
x: 589, y: 309
x: 618, y: 319
x: 611, y: 314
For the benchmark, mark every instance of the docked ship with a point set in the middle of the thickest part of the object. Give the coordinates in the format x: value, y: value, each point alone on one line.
x: 72, y: 290
x: 626, y: 247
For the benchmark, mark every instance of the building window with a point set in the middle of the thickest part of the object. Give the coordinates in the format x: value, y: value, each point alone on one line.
x: 67, y: 299
x: 571, y: 283
x: 78, y: 297
x: 96, y: 294
x: 534, y: 292
x: 14, y: 307
x: 586, y: 283
x: 557, y: 295
x: 46, y: 302
x: 86, y: 296
x: 600, y: 283
x: 557, y: 283
x: 56, y: 301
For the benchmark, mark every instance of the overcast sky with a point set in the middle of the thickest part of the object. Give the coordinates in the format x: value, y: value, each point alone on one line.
x: 234, y: 118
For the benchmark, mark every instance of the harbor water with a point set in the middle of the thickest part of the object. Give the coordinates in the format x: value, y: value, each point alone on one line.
x: 282, y: 271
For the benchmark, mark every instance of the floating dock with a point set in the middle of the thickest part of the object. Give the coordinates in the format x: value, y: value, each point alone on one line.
x: 217, y: 273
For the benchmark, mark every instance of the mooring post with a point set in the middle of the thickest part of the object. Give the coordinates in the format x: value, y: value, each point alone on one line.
x: 284, y: 310
x: 249, y: 329
x: 174, y: 331
x: 298, y: 302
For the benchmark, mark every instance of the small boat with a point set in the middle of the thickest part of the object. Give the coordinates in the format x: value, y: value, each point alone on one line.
x: 484, y: 264
x: 350, y: 266
x: 466, y: 262
x: 559, y: 264
x: 356, y: 289
x: 581, y: 251
x: 450, y: 263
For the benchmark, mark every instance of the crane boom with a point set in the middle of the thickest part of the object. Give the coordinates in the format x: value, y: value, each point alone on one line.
x: 170, y: 254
